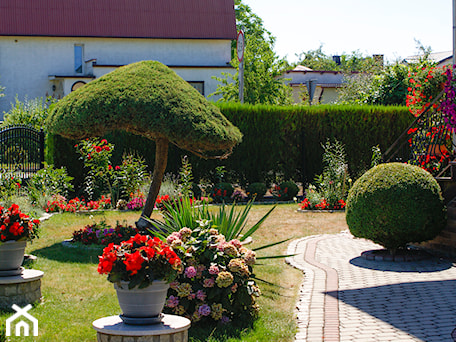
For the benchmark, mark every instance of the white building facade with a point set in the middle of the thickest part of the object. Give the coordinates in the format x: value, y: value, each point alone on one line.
x: 40, y: 65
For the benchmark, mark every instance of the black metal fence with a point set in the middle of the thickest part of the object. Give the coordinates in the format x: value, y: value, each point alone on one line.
x: 21, y: 150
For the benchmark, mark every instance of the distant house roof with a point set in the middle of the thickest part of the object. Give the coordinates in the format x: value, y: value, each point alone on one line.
x: 194, y: 19
x: 437, y: 57
x: 301, y: 68
x: 304, y: 69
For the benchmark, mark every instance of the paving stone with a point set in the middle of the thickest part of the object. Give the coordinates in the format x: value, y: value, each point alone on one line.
x: 397, y: 301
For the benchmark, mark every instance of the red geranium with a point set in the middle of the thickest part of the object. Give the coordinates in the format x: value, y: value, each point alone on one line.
x: 139, y: 261
x: 17, y: 226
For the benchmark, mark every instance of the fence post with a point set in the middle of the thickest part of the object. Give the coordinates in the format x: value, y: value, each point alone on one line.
x: 41, y: 148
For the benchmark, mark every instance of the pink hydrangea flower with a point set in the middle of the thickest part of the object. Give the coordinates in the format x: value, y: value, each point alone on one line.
x: 204, y: 310
x: 201, y: 295
x: 190, y: 272
x: 209, y: 282
x: 172, y: 302
x: 214, y: 270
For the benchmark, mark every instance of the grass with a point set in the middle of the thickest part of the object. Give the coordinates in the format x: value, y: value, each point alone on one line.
x: 74, y: 294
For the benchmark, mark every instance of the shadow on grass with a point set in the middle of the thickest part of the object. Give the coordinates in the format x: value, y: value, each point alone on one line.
x: 61, y: 253
x: 210, y: 332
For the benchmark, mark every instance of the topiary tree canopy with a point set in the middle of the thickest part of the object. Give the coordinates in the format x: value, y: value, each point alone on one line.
x: 148, y: 99
x: 394, y: 204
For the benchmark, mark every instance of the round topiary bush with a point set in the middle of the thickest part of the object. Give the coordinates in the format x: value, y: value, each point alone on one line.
x: 256, y: 190
x: 394, y: 204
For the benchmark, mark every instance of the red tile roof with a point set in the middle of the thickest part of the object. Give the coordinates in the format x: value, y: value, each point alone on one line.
x: 192, y: 19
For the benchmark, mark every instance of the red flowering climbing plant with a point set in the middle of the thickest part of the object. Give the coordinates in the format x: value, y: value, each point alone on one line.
x: 139, y: 260
x: 425, y: 82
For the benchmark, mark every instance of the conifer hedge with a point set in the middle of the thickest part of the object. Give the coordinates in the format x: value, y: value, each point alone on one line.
x: 278, y: 140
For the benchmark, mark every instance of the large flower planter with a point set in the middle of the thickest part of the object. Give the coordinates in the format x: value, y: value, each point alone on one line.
x: 11, y: 256
x: 142, y: 306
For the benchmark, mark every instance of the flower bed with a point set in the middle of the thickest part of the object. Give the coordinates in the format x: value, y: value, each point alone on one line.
x: 102, y: 234
x: 306, y: 204
x: 60, y: 204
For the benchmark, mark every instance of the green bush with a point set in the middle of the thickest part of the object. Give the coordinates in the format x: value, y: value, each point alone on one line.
x: 394, y: 204
x: 221, y: 192
x: 256, y: 190
x: 285, y: 191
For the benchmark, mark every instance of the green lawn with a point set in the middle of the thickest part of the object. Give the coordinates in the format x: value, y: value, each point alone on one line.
x: 74, y: 294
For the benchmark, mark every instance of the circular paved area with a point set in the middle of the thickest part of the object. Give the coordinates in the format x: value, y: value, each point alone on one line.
x: 345, y: 297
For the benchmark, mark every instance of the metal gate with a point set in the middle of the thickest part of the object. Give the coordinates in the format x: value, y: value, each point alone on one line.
x: 21, y: 150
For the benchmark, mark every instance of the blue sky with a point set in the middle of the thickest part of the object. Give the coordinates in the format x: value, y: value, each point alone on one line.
x: 387, y: 27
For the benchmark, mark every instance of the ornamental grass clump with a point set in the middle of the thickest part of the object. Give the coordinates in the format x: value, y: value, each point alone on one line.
x: 139, y: 261
x: 217, y: 283
x: 17, y: 226
x: 395, y: 204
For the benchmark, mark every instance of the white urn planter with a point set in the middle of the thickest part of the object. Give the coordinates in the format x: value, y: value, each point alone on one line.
x: 142, y: 306
x: 11, y: 257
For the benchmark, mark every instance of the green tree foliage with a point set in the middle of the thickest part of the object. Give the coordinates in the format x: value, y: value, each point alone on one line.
x: 28, y: 112
x: 354, y: 62
x: 261, y: 65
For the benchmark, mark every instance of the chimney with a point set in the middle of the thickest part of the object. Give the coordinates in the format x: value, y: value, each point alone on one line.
x: 336, y: 59
x: 379, y: 60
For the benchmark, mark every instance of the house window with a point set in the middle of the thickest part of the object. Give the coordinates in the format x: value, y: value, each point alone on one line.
x: 198, y: 85
x: 77, y: 85
x: 78, y: 58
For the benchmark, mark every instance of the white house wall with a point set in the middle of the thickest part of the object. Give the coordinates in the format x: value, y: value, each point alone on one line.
x: 27, y: 62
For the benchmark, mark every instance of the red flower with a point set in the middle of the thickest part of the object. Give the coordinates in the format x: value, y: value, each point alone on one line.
x: 133, y: 262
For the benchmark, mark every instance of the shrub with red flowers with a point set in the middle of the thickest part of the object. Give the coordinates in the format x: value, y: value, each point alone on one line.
x: 17, y: 226
x: 285, y: 191
x: 216, y: 285
x: 103, y: 234
x: 119, y: 181
x: 221, y: 192
x: 60, y: 204
x: 139, y: 261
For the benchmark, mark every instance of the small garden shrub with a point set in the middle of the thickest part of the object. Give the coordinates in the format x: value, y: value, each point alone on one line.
x: 222, y: 192
x: 256, y: 190
x: 285, y: 191
x: 394, y: 204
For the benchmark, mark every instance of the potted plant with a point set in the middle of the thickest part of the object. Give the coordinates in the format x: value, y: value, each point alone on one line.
x: 16, y: 228
x: 141, y: 269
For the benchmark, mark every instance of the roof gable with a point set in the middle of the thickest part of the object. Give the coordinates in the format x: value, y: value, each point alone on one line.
x: 195, y: 19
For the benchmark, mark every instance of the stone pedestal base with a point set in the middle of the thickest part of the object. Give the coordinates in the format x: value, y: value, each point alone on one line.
x: 171, y: 329
x: 21, y: 289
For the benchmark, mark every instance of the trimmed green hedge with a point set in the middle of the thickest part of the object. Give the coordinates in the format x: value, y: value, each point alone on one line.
x: 277, y: 140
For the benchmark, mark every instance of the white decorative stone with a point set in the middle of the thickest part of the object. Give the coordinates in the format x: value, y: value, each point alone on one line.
x: 113, y: 325
x: 25, y: 277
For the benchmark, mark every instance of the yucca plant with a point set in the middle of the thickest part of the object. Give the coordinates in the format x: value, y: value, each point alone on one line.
x: 227, y: 220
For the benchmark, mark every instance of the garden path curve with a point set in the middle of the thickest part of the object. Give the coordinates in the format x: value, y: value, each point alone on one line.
x: 345, y: 297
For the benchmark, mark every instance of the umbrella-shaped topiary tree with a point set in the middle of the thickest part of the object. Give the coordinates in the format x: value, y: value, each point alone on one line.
x: 148, y: 99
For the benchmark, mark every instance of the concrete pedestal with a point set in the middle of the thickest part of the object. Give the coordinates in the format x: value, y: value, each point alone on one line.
x: 171, y: 329
x: 21, y: 289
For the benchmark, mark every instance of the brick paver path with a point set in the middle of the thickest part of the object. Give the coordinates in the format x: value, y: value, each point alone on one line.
x: 347, y: 298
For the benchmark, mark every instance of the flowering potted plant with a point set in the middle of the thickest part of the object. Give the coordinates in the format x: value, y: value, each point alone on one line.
x: 16, y: 228
x: 141, y: 269
x: 217, y: 283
